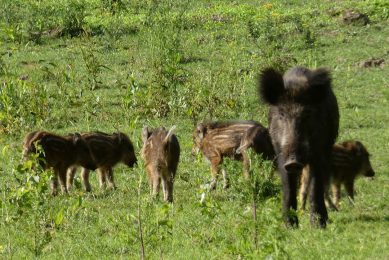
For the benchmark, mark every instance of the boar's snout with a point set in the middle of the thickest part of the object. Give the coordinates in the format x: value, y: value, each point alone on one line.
x: 292, y: 165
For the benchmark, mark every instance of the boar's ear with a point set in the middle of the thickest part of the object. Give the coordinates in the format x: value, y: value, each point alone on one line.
x: 169, y: 134
x: 270, y: 86
x: 320, y: 82
x: 145, y: 134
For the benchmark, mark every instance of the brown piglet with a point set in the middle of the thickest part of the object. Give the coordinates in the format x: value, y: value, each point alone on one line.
x: 59, y: 153
x: 350, y: 159
x: 217, y: 140
x: 161, y: 154
x: 107, y: 150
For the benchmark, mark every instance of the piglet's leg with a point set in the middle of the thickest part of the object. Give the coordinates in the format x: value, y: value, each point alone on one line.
x: 62, y: 178
x: 71, y: 172
x: 226, y: 179
x: 85, y: 179
x: 215, y: 169
x: 246, y: 165
x: 350, y: 191
x: 304, y: 187
x: 110, y: 180
x: 102, y: 177
x: 336, y: 193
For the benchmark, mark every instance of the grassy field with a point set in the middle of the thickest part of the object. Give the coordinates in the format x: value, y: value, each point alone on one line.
x: 84, y: 65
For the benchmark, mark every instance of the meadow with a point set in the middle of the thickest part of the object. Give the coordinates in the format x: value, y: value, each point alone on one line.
x: 118, y: 65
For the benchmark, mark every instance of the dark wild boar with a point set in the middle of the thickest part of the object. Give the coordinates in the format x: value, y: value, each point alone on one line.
x: 350, y: 159
x: 217, y: 140
x: 161, y: 153
x: 107, y: 150
x: 59, y: 153
x: 303, y: 125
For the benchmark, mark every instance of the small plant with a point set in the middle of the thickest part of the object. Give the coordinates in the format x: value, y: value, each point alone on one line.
x: 73, y: 17
x: 114, y: 6
x: 93, y: 67
x: 17, y: 107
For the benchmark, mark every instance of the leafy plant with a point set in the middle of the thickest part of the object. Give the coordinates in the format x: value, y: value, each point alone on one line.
x: 22, y: 104
x: 73, y: 17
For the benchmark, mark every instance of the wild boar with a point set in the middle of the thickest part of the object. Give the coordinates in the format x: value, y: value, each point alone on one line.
x: 107, y: 150
x: 161, y: 154
x: 59, y: 153
x: 217, y: 140
x: 303, y: 125
x: 350, y: 159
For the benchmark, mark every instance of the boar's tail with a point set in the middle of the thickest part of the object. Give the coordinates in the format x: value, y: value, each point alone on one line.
x: 169, y: 134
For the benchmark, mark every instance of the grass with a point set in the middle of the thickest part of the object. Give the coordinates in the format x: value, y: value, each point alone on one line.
x: 83, y: 65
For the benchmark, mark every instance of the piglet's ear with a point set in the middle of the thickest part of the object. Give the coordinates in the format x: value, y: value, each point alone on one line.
x: 169, y: 134
x: 120, y: 137
x: 270, y: 86
x: 76, y: 138
x: 145, y: 134
x: 360, y: 149
x: 200, y: 129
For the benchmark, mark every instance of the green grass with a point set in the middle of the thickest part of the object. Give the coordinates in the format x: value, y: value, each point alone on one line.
x: 83, y: 65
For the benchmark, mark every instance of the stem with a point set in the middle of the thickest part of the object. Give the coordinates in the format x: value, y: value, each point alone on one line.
x: 255, y: 214
x: 142, y: 247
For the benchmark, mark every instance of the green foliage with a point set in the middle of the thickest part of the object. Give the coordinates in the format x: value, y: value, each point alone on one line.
x: 22, y: 105
x: 73, y: 22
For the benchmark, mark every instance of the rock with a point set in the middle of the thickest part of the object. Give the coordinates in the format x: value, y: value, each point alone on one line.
x: 351, y: 17
x: 373, y: 62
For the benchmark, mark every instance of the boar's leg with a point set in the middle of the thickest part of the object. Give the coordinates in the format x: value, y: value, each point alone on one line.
x: 336, y: 186
x: 85, y: 179
x: 349, y: 185
x: 319, y: 213
x: 289, y: 187
x: 71, y: 172
x: 215, y: 168
x: 109, y: 177
x: 304, y: 187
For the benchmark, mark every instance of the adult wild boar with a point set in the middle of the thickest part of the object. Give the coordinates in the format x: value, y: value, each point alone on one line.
x: 161, y: 153
x: 107, y: 150
x: 303, y: 125
x: 217, y: 140
x: 59, y: 153
x: 350, y: 159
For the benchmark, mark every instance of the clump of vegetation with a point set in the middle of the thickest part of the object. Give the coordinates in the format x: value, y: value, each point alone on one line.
x: 18, y: 110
